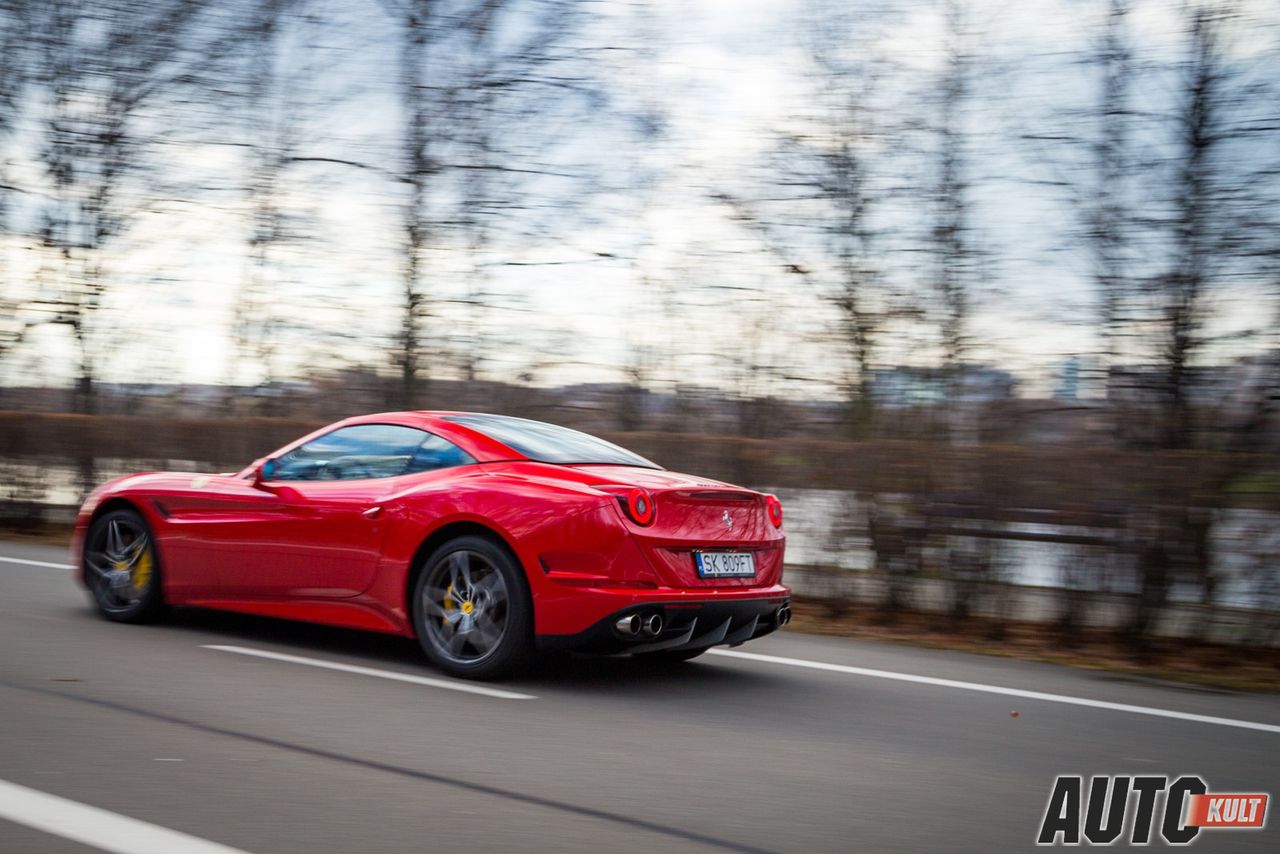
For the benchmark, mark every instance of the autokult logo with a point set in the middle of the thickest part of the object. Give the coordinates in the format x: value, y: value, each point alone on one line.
x: 1132, y: 809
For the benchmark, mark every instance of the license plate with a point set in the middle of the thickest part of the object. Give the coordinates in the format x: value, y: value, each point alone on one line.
x: 725, y: 564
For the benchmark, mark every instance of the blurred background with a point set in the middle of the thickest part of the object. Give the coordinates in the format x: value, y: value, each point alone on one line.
x: 988, y: 292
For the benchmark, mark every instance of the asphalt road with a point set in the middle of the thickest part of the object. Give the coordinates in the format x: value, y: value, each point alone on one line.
x: 139, y: 733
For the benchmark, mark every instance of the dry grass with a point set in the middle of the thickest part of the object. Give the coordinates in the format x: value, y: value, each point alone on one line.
x: 1064, y: 478
x: 38, y: 534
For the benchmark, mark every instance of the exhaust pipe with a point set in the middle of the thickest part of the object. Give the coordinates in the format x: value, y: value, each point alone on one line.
x: 629, y: 625
x: 783, y: 616
x: 653, y: 625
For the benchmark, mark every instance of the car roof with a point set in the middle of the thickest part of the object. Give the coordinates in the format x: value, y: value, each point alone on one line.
x: 483, y: 447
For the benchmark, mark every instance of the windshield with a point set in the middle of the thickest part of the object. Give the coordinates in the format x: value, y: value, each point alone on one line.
x: 547, y: 443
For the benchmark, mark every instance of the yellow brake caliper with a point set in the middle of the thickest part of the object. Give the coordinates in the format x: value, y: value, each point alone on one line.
x: 142, y: 570
x: 448, y: 605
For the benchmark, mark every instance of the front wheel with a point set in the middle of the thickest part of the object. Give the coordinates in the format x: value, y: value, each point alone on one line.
x: 472, y: 610
x: 121, y: 568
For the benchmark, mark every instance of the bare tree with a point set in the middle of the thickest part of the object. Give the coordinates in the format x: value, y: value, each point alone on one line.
x: 950, y: 241
x: 846, y: 162
x: 1215, y: 217
x: 99, y: 65
x: 646, y: 360
x: 465, y: 69
x: 14, y: 22
x: 1204, y: 193
x: 1107, y: 216
x: 272, y: 123
x: 823, y: 210
x: 416, y: 23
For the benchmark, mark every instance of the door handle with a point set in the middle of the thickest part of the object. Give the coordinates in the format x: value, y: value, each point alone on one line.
x: 372, y: 512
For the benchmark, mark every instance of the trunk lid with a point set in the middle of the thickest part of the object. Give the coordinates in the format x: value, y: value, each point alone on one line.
x: 698, y: 514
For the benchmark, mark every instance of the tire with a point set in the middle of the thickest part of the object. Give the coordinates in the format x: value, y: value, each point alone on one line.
x: 472, y: 611
x: 122, y: 568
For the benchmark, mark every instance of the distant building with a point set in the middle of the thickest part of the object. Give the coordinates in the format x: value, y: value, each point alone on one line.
x: 1068, y: 380
x: 903, y: 385
x: 1080, y: 378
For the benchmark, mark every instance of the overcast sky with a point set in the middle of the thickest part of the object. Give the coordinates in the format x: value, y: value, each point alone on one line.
x: 727, y: 77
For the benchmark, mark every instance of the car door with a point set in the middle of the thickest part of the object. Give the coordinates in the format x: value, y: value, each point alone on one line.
x: 214, y: 530
x: 315, y: 525
x: 235, y: 539
x: 324, y: 541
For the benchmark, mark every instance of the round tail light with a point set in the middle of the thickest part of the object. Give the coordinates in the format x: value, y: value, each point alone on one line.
x: 636, y: 502
x: 775, y: 510
x: 640, y: 506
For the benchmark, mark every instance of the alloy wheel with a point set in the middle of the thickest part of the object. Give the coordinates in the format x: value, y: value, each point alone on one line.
x: 465, y: 607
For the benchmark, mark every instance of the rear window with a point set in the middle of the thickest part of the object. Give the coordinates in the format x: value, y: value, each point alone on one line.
x: 547, y: 443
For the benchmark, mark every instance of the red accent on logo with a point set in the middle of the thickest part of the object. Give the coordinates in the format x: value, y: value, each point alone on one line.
x: 1227, y: 810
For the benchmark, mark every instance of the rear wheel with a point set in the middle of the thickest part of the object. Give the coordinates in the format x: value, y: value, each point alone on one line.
x: 121, y: 568
x: 472, y: 610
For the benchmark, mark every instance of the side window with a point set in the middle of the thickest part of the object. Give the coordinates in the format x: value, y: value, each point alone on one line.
x: 436, y: 453
x: 365, y: 451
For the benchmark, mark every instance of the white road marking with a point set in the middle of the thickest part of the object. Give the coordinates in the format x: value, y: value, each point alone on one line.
x: 466, y: 687
x: 97, y: 828
x: 29, y: 562
x: 996, y: 689
x: 770, y: 659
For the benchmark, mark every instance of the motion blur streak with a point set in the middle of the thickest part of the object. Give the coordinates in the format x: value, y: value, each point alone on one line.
x: 411, y: 773
x: 42, y: 563
x: 370, y: 671
x: 995, y: 689
x: 986, y: 293
x: 95, y: 827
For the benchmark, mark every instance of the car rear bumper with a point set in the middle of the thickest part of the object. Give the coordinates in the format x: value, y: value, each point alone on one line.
x: 690, y: 620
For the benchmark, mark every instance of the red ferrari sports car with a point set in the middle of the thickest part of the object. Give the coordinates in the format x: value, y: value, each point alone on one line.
x: 483, y: 536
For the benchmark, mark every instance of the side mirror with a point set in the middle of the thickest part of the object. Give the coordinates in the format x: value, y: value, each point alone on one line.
x: 264, y: 472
